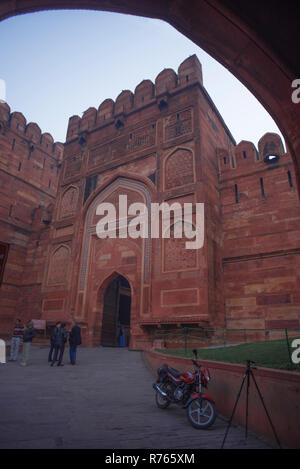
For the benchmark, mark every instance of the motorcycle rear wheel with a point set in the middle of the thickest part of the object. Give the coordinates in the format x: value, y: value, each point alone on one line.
x: 202, y: 417
x: 161, y: 401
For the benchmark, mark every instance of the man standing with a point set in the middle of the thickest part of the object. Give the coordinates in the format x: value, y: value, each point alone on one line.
x: 59, y: 340
x: 74, y: 340
x: 29, y: 334
x: 16, y: 340
x: 52, y: 342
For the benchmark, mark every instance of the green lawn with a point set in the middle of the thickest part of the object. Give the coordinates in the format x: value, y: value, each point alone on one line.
x: 271, y: 354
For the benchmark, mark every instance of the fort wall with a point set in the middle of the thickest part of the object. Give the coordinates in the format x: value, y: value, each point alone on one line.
x: 164, y: 142
x: 29, y: 167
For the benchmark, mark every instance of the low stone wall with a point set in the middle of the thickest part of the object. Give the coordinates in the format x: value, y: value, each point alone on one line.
x: 280, y: 390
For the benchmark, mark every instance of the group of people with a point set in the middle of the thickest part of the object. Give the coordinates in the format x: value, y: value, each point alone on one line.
x: 58, y: 340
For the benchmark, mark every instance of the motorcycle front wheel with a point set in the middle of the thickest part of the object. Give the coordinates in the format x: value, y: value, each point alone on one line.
x: 161, y: 401
x: 201, y: 416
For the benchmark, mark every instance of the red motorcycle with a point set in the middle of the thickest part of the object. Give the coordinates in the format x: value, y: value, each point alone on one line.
x: 185, y: 389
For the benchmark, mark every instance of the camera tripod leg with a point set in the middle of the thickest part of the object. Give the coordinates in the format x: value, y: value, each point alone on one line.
x: 234, y: 408
x: 264, y: 406
x: 247, y: 403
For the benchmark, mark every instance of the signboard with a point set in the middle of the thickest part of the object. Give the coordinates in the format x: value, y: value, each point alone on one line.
x: 39, y: 324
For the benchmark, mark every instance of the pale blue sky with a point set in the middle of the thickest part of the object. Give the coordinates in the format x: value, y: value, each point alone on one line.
x: 57, y: 64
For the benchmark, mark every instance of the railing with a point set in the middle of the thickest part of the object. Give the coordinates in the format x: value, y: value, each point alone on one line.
x: 201, y: 337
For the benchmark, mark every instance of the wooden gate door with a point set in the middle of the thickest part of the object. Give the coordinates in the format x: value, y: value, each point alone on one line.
x: 110, y: 314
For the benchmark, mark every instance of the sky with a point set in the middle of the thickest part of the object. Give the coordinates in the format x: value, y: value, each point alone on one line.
x: 59, y: 63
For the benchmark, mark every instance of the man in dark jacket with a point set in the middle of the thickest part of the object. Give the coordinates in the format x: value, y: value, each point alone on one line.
x: 74, y: 340
x: 52, y: 342
x: 29, y: 334
x: 59, y: 340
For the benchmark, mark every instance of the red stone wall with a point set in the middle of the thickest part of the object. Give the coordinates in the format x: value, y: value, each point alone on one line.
x: 166, y: 142
x: 214, y: 134
x: 261, y: 233
x: 29, y: 174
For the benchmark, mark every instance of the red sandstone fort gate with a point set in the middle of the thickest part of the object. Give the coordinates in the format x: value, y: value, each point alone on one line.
x: 167, y: 142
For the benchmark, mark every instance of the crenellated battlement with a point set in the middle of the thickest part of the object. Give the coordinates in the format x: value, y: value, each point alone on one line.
x: 29, y: 132
x: 32, y: 160
x: 270, y: 145
x: 246, y: 157
x: 145, y: 93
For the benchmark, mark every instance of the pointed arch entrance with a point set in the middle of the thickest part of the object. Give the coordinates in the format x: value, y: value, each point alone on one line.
x: 102, y: 260
x: 115, y: 330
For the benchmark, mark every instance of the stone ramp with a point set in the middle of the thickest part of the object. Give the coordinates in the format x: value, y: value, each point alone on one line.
x: 106, y: 401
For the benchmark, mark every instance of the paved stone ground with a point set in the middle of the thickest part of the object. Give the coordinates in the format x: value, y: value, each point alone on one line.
x: 106, y: 401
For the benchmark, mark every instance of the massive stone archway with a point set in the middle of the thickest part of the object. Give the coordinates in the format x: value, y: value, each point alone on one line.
x: 102, y: 260
x: 242, y: 36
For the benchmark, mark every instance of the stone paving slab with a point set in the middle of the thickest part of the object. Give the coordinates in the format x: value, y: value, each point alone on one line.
x: 105, y: 401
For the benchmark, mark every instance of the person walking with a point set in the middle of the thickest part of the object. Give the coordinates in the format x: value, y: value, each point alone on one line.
x: 16, y: 340
x: 59, y: 340
x: 74, y: 341
x: 29, y: 334
x: 52, y: 342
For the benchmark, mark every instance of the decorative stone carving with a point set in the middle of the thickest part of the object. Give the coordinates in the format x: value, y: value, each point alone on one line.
x: 59, y: 264
x: 176, y: 257
x: 134, y: 141
x: 72, y: 166
x: 68, y: 202
x: 179, y: 169
x: 179, y: 123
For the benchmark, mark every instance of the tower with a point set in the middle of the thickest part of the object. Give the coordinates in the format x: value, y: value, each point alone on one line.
x: 155, y: 145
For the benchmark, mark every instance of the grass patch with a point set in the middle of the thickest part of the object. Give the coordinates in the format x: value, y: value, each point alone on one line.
x: 271, y: 354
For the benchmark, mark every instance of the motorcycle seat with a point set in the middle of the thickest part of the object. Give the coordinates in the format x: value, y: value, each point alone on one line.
x: 174, y: 372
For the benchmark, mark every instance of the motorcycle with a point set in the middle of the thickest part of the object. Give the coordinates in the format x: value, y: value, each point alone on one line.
x: 185, y: 389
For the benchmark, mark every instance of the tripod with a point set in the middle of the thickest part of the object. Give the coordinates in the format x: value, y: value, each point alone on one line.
x: 247, y: 375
